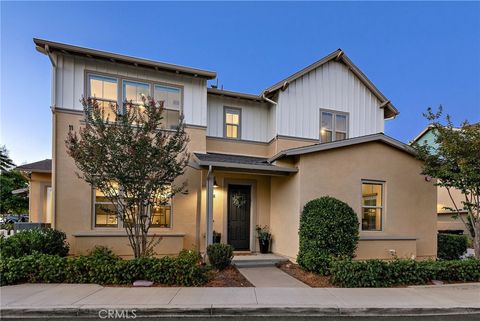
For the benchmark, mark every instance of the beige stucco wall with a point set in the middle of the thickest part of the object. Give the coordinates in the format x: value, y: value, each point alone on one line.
x: 37, y: 196
x: 73, y: 199
x: 380, y: 249
x: 410, y: 200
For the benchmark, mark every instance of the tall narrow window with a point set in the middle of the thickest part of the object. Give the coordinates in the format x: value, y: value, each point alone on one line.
x: 105, y: 211
x: 232, y: 123
x: 104, y: 89
x: 372, y: 206
x: 161, y: 212
x: 333, y: 126
x: 171, y: 98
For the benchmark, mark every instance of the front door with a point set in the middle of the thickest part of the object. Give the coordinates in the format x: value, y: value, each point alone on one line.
x: 239, y: 216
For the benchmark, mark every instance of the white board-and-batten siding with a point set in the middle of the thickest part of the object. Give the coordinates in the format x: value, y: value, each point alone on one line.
x: 69, y: 82
x: 331, y: 86
x: 254, y: 118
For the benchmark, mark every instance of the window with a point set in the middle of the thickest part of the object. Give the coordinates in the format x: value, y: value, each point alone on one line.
x: 104, y: 89
x: 105, y: 211
x: 135, y: 91
x: 171, y: 97
x: 333, y: 126
x: 232, y: 123
x: 162, y: 210
x: 372, y: 206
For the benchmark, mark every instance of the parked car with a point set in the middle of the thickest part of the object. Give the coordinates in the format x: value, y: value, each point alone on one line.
x: 14, y: 218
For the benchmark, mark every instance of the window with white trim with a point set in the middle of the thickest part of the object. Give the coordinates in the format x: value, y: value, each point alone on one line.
x: 171, y: 98
x: 333, y: 126
x: 372, y: 205
x: 232, y: 121
x: 104, y: 90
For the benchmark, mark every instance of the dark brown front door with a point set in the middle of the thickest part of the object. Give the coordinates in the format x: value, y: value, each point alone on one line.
x: 239, y: 216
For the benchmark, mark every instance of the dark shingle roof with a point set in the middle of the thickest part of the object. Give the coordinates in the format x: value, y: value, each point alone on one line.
x: 43, y: 166
x: 240, y: 162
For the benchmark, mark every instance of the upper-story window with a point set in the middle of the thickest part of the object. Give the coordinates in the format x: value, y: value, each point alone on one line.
x: 333, y: 126
x: 372, y: 206
x: 171, y: 97
x: 104, y: 89
x: 134, y: 91
x: 232, y: 118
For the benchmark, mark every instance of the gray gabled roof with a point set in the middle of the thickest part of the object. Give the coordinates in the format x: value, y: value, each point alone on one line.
x: 46, y: 46
x: 344, y: 143
x: 339, y: 56
x: 43, y: 166
x: 239, y: 162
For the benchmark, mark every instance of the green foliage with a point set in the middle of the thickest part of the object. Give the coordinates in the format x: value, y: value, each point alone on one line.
x: 377, y: 273
x: 28, y: 242
x: 451, y: 246
x: 220, y: 255
x: 328, y: 228
x: 263, y: 233
x: 101, y: 266
x: 129, y: 150
x: 5, y: 162
x: 454, y: 162
x: 10, y: 203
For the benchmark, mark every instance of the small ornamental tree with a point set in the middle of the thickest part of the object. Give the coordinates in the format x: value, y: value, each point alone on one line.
x: 455, y: 163
x: 131, y: 160
x: 328, y: 228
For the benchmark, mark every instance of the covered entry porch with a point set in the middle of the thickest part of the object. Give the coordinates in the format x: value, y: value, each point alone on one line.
x: 237, y: 198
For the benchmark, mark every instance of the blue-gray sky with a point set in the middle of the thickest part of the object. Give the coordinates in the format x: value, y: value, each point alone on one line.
x: 418, y: 54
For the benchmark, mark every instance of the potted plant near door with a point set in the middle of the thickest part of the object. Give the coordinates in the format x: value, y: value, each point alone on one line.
x: 264, y: 238
x: 217, y: 237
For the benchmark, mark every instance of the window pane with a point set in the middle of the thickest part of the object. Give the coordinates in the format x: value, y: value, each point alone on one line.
x: 341, y: 123
x: 371, y: 219
x: 103, y: 87
x: 171, y: 119
x: 134, y: 91
x: 340, y: 136
x: 232, y: 131
x: 372, y: 194
x: 171, y: 96
x: 107, y: 110
x: 327, y: 121
x: 235, y: 119
x: 105, y: 215
x: 161, y: 216
x: 326, y: 135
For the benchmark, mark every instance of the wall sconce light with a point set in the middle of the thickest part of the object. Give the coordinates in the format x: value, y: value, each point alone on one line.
x: 215, y: 184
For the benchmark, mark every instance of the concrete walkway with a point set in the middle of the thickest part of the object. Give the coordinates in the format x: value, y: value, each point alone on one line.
x: 270, y: 277
x: 83, y: 301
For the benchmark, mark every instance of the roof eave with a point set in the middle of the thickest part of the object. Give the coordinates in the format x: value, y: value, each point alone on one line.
x: 233, y: 94
x: 113, y: 57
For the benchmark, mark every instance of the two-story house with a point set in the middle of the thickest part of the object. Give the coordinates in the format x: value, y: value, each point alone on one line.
x: 256, y: 159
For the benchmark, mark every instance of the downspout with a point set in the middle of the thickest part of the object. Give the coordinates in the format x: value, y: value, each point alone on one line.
x: 209, y: 232
x: 268, y: 99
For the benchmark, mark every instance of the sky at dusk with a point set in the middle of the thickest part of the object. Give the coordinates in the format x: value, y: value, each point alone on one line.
x: 417, y: 54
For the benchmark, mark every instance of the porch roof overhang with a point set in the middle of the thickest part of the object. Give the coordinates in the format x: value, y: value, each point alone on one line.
x: 240, y: 163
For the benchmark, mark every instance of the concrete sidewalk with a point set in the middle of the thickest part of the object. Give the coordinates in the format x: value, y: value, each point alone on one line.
x: 84, y: 301
x: 270, y: 277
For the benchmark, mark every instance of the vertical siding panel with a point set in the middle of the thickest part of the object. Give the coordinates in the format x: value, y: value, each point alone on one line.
x: 60, y: 88
x: 79, y: 82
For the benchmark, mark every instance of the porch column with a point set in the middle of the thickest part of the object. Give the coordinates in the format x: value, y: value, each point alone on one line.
x: 209, y: 233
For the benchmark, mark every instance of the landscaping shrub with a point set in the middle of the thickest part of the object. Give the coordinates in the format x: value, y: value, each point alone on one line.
x: 377, y: 273
x: 328, y: 228
x: 102, y: 266
x: 451, y: 246
x: 220, y: 255
x: 49, y: 241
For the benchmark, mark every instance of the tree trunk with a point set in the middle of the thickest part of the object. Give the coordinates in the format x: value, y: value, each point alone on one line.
x: 476, y: 239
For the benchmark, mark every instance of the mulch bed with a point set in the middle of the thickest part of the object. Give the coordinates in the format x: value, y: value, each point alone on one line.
x: 309, y: 278
x: 230, y: 277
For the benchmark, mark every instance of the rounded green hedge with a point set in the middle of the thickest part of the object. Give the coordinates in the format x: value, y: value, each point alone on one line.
x: 451, y: 246
x: 49, y: 241
x: 328, y: 228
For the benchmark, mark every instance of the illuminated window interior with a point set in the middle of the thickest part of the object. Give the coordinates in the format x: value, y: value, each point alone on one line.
x: 372, y: 206
x: 232, y: 123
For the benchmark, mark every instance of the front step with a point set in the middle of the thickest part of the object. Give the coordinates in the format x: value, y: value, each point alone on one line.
x: 258, y: 260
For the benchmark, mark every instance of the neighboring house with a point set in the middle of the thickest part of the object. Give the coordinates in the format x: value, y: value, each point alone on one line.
x: 255, y: 159
x: 39, y: 175
x: 447, y: 222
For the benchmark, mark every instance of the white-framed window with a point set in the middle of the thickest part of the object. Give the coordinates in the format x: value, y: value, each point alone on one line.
x: 232, y: 122
x: 333, y: 126
x: 172, y: 100
x: 105, y: 91
x: 373, y: 205
x: 134, y: 91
